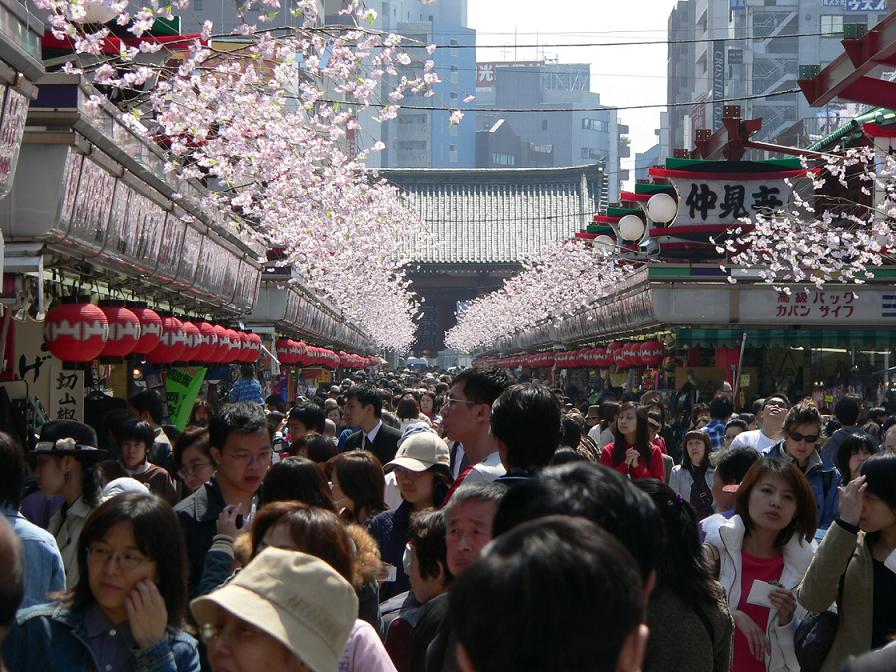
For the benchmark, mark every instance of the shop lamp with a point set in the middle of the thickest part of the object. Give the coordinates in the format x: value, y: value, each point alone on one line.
x: 631, y: 228
x: 96, y: 11
x: 662, y: 208
x: 605, y: 244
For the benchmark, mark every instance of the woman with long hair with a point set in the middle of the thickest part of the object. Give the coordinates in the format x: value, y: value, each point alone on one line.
x: 422, y: 470
x: 692, y: 479
x: 690, y: 623
x: 358, y: 485
x: 126, y: 610
x: 852, y: 453
x: 68, y: 465
x: 193, y: 458
x: 762, y: 554
x: 852, y: 558
x: 631, y: 452
x: 296, y: 478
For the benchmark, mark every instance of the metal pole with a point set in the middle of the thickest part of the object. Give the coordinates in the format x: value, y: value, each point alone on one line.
x: 740, y: 363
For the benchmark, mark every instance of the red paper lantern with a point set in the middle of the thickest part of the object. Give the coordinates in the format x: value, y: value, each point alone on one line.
x: 124, y: 330
x: 77, y: 331
x: 652, y: 353
x: 599, y: 357
x: 254, y: 347
x: 172, y: 345
x: 208, y: 342
x: 236, y: 347
x: 631, y: 352
x: 612, y: 349
x: 222, y: 349
x: 150, y: 328
x: 192, y: 342
x: 619, y: 356
x: 283, y: 351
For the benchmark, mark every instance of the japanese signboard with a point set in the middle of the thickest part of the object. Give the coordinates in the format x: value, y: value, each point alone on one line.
x: 66, y: 393
x: 857, y: 5
x: 181, y: 390
x: 726, y: 201
x: 718, y: 82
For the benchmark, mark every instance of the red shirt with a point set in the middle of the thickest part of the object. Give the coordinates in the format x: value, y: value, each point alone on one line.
x: 754, y: 569
x: 640, y: 470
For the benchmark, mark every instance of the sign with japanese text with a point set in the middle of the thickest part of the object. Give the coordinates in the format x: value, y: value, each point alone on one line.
x: 181, y: 390
x: 66, y: 393
x: 857, y: 5
x: 727, y: 201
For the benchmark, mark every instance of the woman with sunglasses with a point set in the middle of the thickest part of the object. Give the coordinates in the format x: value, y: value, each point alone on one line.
x: 127, y: 608
x: 802, y: 430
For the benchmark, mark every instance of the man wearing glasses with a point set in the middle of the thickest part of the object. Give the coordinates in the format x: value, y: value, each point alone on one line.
x: 240, y: 445
x: 466, y: 417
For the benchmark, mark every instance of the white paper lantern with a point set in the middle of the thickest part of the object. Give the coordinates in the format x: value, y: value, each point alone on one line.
x: 662, y: 208
x: 631, y: 227
x: 604, y: 244
x: 98, y: 11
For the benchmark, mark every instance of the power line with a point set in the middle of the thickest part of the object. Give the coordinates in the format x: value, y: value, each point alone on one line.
x: 602, y: 108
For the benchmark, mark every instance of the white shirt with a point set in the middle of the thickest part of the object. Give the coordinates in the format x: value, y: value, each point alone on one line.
x: 486, y: 471
x: 753, y: 438
x: 371, y: 435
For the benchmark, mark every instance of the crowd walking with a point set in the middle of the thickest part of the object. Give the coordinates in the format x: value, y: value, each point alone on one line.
x: 463, y: 523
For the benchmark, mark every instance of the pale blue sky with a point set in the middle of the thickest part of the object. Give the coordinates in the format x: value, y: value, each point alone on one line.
x: 623, y: 75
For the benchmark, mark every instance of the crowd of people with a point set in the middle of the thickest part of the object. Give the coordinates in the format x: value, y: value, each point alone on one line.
x: 468, y: 522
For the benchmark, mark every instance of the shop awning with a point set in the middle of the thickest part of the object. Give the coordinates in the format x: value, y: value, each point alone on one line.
x: 815, y: 338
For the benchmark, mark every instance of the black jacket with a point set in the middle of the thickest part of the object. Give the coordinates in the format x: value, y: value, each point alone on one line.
x: 198, y: 515
x: 384, y: 445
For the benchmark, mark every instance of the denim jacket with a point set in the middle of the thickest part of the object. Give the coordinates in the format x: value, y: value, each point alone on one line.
x: 52, y: 637
x: 44, y: 573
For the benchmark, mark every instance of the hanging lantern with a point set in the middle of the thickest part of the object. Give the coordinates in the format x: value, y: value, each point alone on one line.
x: 631, y: 352
x: 235, y: 345
x: 192, y: 342
x: 173, y: 342
x: 619, y: 356
x: 76, y: 331
x: 222, y: 349
x: 96, y: 11
x: 283, y: 351
x: 150, y: 328
x: 252, y: 347
x: 612, y: 350
x: 124, y: 330
x: 208, y: 342
x: 600, y: 358
x: 652, y: 353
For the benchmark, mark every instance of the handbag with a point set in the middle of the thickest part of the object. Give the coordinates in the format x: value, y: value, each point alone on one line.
x: 814, y: 637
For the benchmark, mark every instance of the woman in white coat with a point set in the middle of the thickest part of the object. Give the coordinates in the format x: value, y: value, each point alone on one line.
x: 762, y: 554
x: 692, y: 479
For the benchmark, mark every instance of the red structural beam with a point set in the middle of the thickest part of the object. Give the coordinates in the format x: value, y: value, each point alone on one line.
x: 847, y: 76
x: 730, y: 140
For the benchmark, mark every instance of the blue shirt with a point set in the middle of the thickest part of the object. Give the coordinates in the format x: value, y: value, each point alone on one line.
x: 43, y: 570
x: 109, y: 643
x: 716, y: 431
x: 246, y: 389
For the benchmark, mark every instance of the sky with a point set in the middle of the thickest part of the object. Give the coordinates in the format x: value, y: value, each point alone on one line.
x: 622, y: 75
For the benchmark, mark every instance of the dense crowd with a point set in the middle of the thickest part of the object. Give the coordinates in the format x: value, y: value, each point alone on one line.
x: 421, y: 524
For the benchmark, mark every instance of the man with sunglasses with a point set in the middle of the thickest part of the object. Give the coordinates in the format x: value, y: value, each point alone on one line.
x: 466, y: 419
x: 802, y: 431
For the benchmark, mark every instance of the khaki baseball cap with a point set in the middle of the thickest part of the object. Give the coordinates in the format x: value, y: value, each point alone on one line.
x: 296, y: 598
x: 419, y: 452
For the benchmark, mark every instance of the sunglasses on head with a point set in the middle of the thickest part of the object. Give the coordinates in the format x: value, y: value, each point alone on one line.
x: 808, y: 438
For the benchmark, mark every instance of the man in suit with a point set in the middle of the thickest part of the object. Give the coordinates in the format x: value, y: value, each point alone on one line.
x: 363, y: 408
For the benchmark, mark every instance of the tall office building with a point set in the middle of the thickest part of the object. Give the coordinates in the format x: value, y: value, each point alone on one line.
x: 749, y: 48
x: 556, y: 135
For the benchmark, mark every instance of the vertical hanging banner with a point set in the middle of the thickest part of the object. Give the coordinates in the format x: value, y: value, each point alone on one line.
x: 66, y: 393
x: 182, y: 389
x: 718, y: 83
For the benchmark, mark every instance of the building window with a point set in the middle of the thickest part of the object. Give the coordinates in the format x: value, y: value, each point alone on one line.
x: 544, y: 124
x: 503, y: 159
x: 197, y: 5
x: 832, y: 25
x: 412, y: 145
x: 453, y: 96
x: 412, y: 119
x: 452, y: 153
x: 594, y: 125
x: 454, y: 75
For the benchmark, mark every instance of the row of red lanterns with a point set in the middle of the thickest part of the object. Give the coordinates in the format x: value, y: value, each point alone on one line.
x: 623, y: 355
x: 79, y: 331
x: 298, y: 353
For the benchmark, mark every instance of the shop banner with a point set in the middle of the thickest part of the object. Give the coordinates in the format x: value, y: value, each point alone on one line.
x: 182, y: 388
x: 66, y: 393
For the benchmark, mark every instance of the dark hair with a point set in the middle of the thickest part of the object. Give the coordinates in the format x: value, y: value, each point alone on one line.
x: 407, y: 409
x: 319, y: 449
x: 542, y: 581
x: 309, y: 414
x: 427, y: 536
x: 642, y: 435
x: 720, y: 407
x: 608, y: 412
x: 241, y: 417
x: 296, y: 478
x: 483, y: 385
x: 777, y: 395
x: 697, y: 435
x: 158, y: 536
x: 680, y: 567
x: 803, y: 413
x: 193, y: 422
x: 565, y: 455
x: 875, y: 412
x: 247, y: 370
x: 661, y: 409
x: 315, y: 531
x: 697, y: 411
x: 880, y: 476
x: 571, y: 432
x: 734, y: 463
x: 12, y: 568
x: 805, y: 520
x: 12, y: 471
x: 112, y: 422
x: 846, y: 410
x: 361, y: 478
x: 526, y: 419
x: 197, y: 436
x: 276, y: 403
x: 139, y: 431
x: 366, y: 395
x: 150, y: 402
x: 739, y: 422
x: 598, y: 493
x: 850, y: 446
